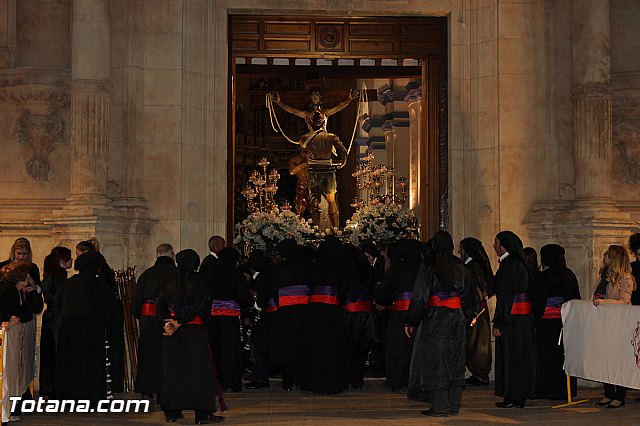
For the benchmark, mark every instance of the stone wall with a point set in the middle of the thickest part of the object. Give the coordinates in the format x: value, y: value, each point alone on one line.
x: 516, y: 73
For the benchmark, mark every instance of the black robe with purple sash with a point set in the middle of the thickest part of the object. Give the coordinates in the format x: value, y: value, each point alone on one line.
x: 553, y: 287
x: 515, y: 364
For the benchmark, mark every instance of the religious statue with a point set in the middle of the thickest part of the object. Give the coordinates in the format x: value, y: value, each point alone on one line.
x: 325, y: 153
x: 298, y: 167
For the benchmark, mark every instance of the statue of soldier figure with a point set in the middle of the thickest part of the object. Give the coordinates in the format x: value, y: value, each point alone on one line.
x: 325, y: 153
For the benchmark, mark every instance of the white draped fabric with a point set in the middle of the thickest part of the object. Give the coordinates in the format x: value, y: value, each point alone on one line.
x: 602, y: 343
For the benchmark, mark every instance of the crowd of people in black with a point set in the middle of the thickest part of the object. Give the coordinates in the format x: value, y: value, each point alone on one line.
x: 318, y: 316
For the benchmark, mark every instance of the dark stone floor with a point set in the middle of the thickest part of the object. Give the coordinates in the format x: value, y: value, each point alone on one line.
x: 374, y: 404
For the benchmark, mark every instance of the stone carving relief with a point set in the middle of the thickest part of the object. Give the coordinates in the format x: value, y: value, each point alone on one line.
x: 42, y: 132
x: 626, y: 139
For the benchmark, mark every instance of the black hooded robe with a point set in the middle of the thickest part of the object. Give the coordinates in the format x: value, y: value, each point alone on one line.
x: 359, y: 318
x: 187, y: 378
x: 87, y: 304
x: 515, y: 364
x: 144, y: 307
x: 324, y: 359
x: 553, y: 287
x: 396, y: 290
x: 438, y: 359
x: 229, y: 295
x: 291, y: 285
x: 478, y: 351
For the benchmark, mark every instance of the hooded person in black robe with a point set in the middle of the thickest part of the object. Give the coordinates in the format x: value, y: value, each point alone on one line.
x: 116, y: 323
x: 396, y: 290
x: 324, y: 360
x: 229, y: 295
x: 261, y: 332
x: 555, y: 285
x: 187, y: 378
x: 478, y: 345
x: 144, y: 308
x: 291, y: 288
x: 87, y: 305
x: 513, y: 325
x: 442, y: 298
x: 380, y: 313
x: 360, y: 321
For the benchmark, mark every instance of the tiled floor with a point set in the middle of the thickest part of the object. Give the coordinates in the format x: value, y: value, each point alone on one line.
x: 374, y: 404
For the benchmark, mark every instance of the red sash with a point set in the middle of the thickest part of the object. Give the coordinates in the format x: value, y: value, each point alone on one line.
x: 149, y: 309
x: 551, y: 313
x: 451, y: 303
x: 400, y: 305
x: 196, y: 321
x: 324, y: 298
x: 270, y: 309
x: 222, y: 312
x: 521, y: 308
x: 293, y: 300
x: 362, y: 306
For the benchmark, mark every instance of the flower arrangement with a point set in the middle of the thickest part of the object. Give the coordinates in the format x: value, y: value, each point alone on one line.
x: 382, y: 222
x: 263, y: 230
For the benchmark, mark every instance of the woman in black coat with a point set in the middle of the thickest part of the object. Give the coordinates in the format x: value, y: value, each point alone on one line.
x: 55, y: 269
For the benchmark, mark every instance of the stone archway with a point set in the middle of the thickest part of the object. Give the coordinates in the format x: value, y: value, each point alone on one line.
x: 258, y: 45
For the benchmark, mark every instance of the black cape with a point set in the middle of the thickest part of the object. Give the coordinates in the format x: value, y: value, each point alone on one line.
x: 87, y: 305
x: 324, y: 360
x: 288, y: 331
x: 515, y: 364
x: 228, y: 284
x: 478, y: 345
x: 187, y: 378
x: 438, y: 360
x: 399, y: 278
x: 150, y: 346
x: 560, y: 283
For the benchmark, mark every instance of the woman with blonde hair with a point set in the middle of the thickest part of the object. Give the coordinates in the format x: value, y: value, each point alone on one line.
x: 21, y: 253
x: 18, y: 302
x: 620, y: 285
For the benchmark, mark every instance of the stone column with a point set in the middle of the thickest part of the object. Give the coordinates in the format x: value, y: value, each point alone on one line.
x: 90, y: 100
x: 414, y: 105
x: 592, y: 100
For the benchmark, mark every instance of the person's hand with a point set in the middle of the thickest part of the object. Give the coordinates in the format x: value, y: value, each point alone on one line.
x: 5, y: 325
x: 496, y: 332
x: 596, y: 302
x: 275, y: 97
x: 408, y: 331
x: 170, y: 327
x: 354, y: 94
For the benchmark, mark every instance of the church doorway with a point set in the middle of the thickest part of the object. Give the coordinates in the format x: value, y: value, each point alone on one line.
x: 398, y: 66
